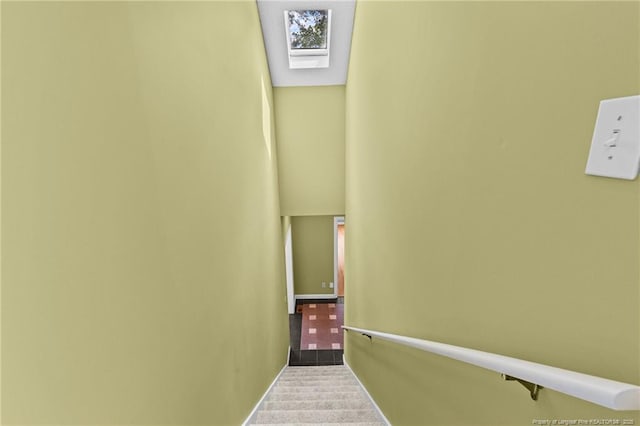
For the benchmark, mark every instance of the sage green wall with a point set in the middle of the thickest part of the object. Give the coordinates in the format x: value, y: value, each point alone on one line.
x: 140, y: 214
x: 312, y: 239
x: 471, y: 220
x: 310, y: 134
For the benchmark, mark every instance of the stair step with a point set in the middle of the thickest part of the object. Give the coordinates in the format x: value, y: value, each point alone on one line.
x: 325, y: 379
x: 325, y: 424
x: 329, y: 373
x: 304, y: 381
x: 359, y: 403
x: 320, y: 389
x: 319, y: 367
x: 316, y: 416
x: 314, y: 396
x: 315, y: 371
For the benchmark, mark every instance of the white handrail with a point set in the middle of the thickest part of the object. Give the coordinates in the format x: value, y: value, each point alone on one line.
x: 604, y: 392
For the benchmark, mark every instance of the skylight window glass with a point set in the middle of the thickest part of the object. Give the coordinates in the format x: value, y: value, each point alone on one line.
x: 308, y: 29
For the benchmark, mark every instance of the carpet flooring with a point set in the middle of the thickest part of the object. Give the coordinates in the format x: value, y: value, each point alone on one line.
x: 317, y: 395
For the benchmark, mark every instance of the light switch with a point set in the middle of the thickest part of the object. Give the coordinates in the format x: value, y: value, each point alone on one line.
x: 615, y: 147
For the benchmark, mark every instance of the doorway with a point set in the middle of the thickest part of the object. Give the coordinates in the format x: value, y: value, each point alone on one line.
x: 338, y: 264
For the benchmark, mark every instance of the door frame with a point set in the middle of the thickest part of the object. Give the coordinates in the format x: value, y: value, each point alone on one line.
x: 337, y: 220
x: 288, y: 272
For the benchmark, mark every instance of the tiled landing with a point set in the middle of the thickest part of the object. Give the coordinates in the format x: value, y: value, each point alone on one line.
x: 306, y: 357
x: 321, y: 326
x: 315, y: 357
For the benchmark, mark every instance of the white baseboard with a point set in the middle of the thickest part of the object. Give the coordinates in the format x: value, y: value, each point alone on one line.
x: 380, y: 413
x: 253, y: 412
x: 316, y: 296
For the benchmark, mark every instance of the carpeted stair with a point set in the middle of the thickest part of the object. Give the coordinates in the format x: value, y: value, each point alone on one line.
x: 317, y: 395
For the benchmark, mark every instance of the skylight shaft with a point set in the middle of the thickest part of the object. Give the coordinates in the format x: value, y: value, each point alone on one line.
x: 308, y: 35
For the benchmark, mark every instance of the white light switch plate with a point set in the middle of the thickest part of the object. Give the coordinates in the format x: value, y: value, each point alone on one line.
x: 615, y: 147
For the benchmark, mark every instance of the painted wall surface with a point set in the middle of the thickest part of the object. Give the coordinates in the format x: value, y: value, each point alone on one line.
x: 285, y: 224
x: 310, y: 134
x: 140, y: 214
x: 312, y: 254
x: 471, y: 221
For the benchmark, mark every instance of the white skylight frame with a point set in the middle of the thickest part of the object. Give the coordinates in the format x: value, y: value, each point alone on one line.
x: 307, y: 58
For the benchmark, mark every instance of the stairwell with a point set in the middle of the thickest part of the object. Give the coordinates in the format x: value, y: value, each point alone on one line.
x: 328, y: 395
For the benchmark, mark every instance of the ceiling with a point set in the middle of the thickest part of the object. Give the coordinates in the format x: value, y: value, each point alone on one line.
x: 273, y: 30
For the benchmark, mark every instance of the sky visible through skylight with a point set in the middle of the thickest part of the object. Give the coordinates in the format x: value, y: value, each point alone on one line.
x: 308, y: 29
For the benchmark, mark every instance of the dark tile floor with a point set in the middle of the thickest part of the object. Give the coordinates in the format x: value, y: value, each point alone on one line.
x: 315, y: 357
x: 295, y: 330
x: 299, y: 357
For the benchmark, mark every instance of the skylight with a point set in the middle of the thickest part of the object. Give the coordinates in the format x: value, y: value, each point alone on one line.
x: 308, y: 37
x: 308, y: 29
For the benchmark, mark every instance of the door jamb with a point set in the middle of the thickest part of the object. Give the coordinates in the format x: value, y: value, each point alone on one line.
x: 337, y: 220
x: 288, y: 259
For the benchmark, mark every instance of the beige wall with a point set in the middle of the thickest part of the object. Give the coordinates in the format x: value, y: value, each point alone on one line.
x: 310, y: 133
x: 140, y: 214
x: 312, y: 238
x: 471, y: 220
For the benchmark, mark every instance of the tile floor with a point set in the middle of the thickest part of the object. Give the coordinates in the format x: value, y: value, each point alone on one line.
x: 301, y: 356
x: 312, y: 358
x: 321, y: 326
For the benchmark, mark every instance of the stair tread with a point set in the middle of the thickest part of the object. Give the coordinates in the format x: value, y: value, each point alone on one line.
x: 299, y: 376
x: 316, y: 378
x: 305, y: 383
x: 324, y: 424
x: 318, y: 404
x: 313, y: 396
x: 322, y: 416
x: 323, y: 389
x: 317, y: 373
x: 330, y: 373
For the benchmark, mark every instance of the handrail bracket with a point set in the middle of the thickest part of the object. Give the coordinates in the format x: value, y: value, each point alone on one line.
x: 531, y: 387
x: 364, y: 334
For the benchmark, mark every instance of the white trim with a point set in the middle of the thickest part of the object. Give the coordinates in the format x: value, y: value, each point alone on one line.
x: 598, y: 390
x: 337, y: 220
x: 253, y: 412
x: 316, y: 296
x: 288, y: 265
x: 366, y: 392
